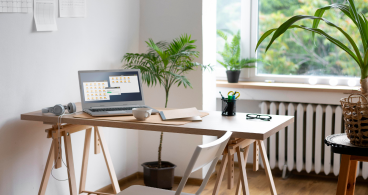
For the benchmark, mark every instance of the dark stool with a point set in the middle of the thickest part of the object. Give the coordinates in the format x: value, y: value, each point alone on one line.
x: 350, y: 155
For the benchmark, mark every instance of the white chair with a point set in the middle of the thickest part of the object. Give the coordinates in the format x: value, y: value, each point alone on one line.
x: 203, y: 155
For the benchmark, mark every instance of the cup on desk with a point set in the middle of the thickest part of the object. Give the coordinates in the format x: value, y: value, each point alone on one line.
x: 141, y: 114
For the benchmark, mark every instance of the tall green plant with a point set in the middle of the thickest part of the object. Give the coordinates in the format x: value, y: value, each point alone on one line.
x: 166, y: 64
x: 231, y: 53
x: 360, y: 56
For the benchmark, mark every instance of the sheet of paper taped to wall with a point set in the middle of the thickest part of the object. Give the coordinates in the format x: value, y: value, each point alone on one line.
x: 45, y: 15
x: 72, y: 8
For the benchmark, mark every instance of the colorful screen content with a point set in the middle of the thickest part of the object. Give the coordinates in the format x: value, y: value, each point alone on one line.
x: 110, y: 86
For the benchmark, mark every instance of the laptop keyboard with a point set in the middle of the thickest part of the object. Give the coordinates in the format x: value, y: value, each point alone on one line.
x: 115, y: 109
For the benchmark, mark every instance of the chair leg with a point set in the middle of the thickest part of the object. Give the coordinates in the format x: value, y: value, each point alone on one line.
x: 267, y: 167
x: 47, y: 171
x: 343, y: 175
x: 70, y: 164
x: 352, y: 177
x: 221, y: 173
x: 110, y: 167
x: 87, y: 143
x: 243, y: 180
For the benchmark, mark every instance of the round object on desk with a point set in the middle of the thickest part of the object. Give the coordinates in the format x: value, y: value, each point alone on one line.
x: 340, y: 144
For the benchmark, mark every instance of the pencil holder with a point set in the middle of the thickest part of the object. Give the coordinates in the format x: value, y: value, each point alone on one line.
x: 228, y: 107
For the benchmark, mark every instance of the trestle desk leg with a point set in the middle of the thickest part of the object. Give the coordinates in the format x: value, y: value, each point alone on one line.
x: 97, y: 142
x: 70, y: 163
x: 220, y: 174
x: 243, y: 180
x: 47, y: 171
x: 267, y: 167
x: 230, y: 168
x: 110, y: 167
x: 87, y: 143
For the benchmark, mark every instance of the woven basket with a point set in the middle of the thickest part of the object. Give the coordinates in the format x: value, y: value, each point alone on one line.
x: 355, y: 113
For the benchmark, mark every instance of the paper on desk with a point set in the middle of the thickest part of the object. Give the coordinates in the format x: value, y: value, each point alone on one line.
x: 44, y: 15
x: 179, y: 113
x: 72, y: 8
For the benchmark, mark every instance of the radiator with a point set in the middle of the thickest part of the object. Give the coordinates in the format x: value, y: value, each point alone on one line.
x: 300, y: 146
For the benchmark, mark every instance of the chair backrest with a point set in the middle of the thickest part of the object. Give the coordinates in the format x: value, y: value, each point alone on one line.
x: 203, y: 155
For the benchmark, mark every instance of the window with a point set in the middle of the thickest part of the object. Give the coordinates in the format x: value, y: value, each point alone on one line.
x: 228, y: 22
x: 293, y: 54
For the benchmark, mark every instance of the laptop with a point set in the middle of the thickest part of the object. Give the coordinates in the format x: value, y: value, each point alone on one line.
x: 111, y: 92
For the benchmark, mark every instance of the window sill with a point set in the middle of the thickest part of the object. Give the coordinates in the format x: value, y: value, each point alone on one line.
x: 288, y: 86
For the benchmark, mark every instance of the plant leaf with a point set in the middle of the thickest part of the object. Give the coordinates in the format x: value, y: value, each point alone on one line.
x: 285, y: 26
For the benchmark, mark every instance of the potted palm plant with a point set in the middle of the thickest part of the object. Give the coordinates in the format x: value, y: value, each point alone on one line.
x: 355, y: 114
x: 231, y: 57
x: 164, y: 64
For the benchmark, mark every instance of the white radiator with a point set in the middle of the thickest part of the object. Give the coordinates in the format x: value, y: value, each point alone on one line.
x: 301, y: 146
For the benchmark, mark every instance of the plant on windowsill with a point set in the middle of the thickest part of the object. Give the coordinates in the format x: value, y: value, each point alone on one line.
x: 355, y: 114
x: 231, y: 57
x: 165, y: 64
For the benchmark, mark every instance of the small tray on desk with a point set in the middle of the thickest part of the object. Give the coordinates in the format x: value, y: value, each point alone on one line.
x: 340, y: 144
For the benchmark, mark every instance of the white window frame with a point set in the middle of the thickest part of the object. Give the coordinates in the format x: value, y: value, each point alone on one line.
x: 249, y: 34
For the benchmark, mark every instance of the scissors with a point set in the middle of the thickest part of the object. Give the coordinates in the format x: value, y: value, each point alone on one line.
x: 234, y: 93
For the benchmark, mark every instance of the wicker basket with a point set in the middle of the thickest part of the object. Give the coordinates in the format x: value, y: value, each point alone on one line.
x: 355, y: 113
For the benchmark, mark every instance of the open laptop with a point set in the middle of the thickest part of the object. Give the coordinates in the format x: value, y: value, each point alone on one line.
x: 111, y: 92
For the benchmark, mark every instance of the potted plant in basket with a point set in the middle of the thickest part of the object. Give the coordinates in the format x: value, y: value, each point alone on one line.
x: 355, y: 114
x: 231, y: 57
x: 165, y: 64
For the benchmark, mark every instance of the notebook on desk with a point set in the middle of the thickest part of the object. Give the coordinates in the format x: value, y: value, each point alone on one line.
x: 191, y: 114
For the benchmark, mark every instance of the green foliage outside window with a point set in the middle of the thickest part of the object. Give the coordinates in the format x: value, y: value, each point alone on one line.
x: 295, y: 52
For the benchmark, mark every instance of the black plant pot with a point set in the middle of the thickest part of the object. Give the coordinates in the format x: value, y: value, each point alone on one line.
x: 233, y: 76
x: 159, y: 177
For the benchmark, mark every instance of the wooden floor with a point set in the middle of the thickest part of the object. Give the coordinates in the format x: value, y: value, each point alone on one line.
x: 298, y: 183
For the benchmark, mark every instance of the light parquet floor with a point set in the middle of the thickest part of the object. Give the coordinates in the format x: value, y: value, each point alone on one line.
x: 298, y: 184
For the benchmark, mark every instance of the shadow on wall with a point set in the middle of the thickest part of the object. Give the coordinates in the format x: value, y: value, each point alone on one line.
x: 23, y: 151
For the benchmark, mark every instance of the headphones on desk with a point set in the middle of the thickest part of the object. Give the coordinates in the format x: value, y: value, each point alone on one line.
x: 59, y: 109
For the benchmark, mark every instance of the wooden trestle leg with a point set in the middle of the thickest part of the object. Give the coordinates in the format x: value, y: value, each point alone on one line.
x: 221, y: 173
x: 243, y: 180
x: 267, y: 167
x: 87, y: 143
x: 70, y: 163
x: 110, y: 167
x: 47, y: 171
x: 66, y: 131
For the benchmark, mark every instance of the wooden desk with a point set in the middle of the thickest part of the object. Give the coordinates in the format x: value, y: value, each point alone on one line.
x: 245, y: 132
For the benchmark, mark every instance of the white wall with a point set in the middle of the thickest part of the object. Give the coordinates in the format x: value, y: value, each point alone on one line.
x: 39, y: 69
x: 164, y: 20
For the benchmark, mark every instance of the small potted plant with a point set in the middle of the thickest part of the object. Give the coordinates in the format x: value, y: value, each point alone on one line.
x: 165, y: 64
x: 231, y: 57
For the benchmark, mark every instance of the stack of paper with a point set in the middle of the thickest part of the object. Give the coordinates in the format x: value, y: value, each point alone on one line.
x: 188, y: 114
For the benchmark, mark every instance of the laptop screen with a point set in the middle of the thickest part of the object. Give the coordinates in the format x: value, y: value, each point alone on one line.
x: 110, y: 86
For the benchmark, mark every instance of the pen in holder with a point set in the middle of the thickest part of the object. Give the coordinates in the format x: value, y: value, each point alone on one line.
x: 228, y: 107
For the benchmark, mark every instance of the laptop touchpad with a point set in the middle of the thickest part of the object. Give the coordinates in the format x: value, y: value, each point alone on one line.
x: 115, y: 112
